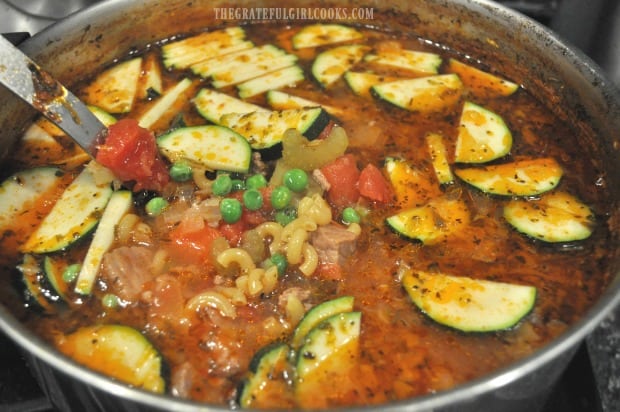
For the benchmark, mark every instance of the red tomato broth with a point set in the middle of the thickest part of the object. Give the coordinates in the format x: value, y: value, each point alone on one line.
x: 402, y: 353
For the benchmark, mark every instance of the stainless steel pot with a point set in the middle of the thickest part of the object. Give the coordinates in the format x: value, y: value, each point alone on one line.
x: 571, y: 84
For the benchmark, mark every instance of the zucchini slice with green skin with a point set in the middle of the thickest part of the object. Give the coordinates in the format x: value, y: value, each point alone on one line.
x: 268, y: 380
x: 412, y: 60
x: 38, y: 293
x: 521, y: 178
x: 119, y: 204
x: 115, y: 89
x: 481, y: 83
x: 555, y: 217
x: 331, y: 64
x: 104, y: 117
x: 466, y: 304
x: 184, y: 53
x: 423, y: 94
x: 21, y: 190
x: 118, y: 351
x: 75, y: 214
x: 318, y: 314
x: 212, y: 105
x: 361, y: 82
x: 321, y: 34
x: 212, y: 146
x: 432, y: 222
x: 329, y: 347
x: 266, y: 129
x: 286, y: 77
x: 483, y: 136
x: 53, y: 269
x: 439, y: 158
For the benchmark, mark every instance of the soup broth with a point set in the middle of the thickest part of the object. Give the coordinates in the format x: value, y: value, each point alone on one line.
x: 208, y: 314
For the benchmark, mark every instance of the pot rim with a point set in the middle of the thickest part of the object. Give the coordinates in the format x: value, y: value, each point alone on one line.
x: 569, y: 339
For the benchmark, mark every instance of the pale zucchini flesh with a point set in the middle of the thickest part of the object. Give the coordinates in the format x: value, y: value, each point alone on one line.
x: 279, y: 100
x: 115, y: 89
x: 439, y: 158
x: 212, y: 105
x: 411, y: 186
x: 164, y: 105
x: 266, y: 129
x: 466, y: 304
x: 322, y: 34
x: 411, y: 60
x: 119, y: 204
x: 555, y: 217
x: 118, y: 351
x: 483, y: 135
x: 268, y: 378
x: 361, y: 82
x: 433, y: 222
x: 285, y: 77
x: 521, y: 178
x: 481, y: 83
x: 21, y: 190
x: 423, y: 94
x: 331, y: 64
x: 75, y: 214
x: 212, y: 146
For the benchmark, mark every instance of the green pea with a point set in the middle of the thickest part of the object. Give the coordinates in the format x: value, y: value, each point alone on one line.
x: 252, y: 199
x: 180, y: 171
x: 231, y: 210
x: 280, y: 197
x: 296, y: 180
x: 222, y: 185
x: 155, y: 206
x: 255, y: 182
x: 350, y: 215
x: 110, y: 300
x: 71, y: 272
x: 279, y: 260
x: 237, y: 184
x: 286, y: 215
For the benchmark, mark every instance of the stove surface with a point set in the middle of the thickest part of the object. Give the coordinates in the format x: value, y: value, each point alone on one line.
x: 592, y: 381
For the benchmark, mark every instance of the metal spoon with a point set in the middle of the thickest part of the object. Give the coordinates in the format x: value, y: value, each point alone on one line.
x: 40, y: 90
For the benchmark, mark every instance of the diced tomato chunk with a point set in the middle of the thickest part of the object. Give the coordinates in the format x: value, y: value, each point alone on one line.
x: 342, y: 175
x: 130, y: 151
x: 194, y: 246
x: 372, y: 185
x: 233, y: 231
x: 329, y: 271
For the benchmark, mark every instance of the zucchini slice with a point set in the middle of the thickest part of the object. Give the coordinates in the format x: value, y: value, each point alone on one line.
x: 266, y: 129
x: 104, y: 117
x: 115, y: 89
x: 20, y: 191
x: 439, y: 158
x: 151, y: 82
x: 279, y: 100
x: 432, y: 222
x: 483, y: 136
x: 164, y: 106
x: 555, y: 217
x: 53, y: 269
x: 412, y: 60
x: 76, y: 212
x: 361, y: 82
x: 120, y: 202
x: 466, y: 304
x: 286, y: 77
x: 481, y: 83
x: 331, y: 64
x: 268, y: 382
x: 212, y: 105
x: 38, y: 293
x: 118, y: 351
x: 184, y: 53
x: 321, y: 34
x: 318, y: 314
x: 214, y: 147
x: 411, y: 187
x: 521, y: 178
x: 423, y: 94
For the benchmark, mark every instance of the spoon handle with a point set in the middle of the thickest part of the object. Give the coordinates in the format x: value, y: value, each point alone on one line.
x: 40, y: 90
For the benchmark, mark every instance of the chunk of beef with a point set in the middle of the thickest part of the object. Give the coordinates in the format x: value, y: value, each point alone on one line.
x: 333, y: 242
x: 126, y: 269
